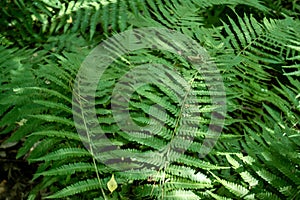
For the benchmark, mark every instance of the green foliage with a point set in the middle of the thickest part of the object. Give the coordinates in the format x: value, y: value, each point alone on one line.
x: 255, y: 46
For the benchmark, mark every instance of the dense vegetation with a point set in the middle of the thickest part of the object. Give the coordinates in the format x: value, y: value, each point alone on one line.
x: 255, y: 45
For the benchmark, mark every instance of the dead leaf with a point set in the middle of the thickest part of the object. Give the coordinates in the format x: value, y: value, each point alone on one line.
x: 70, y: 20
x: 112, y: 184
x: 2, y: 186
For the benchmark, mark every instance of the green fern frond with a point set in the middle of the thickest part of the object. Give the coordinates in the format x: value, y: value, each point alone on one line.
x: 267, y: 195
x: 54, y: 105
x: 64, y: 153
x: 68, y: 169
x: 248, y: 178
x: 181, y: 195
x: 188, y: 173
x: 59, y: 134
x: 185, y: 184
x: 41, y: 148
x: 51, y: 118
x: 190, y: 161
x: 46, y: 91
x: 217, y: 197
x: 79, y: 187
x: 236, y: 189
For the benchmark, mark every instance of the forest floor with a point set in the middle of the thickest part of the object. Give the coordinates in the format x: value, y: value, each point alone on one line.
x: 15, y: 174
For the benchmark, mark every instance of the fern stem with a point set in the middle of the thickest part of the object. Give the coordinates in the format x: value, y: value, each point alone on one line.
x: 180, y: 113
x: 91, y: 151
x: 175, y: 129
x: 98, y: 177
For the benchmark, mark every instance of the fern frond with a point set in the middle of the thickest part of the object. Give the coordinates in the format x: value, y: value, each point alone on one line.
x: 79, y: 187
x: 51, y: 118
x: 54, y: 105
x: 68, y: 169
x: 236, y: 189
x: 190, y: 161
x: 189, y: 173
x: 217, y: 197
x: 185, y: 184
x: 64, y: 153
x: 267, y: 195
x: 181, y: 195
x: 58, y: 134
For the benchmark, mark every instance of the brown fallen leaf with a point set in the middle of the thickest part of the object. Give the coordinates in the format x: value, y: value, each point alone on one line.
x: 3, y: 186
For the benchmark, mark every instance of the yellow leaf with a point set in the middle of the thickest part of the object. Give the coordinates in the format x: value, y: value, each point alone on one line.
x: 112, y: 184
x: 22, y: 122
x: 70, y: 20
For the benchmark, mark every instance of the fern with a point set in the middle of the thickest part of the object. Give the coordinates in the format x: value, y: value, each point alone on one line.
x: 266, y: 162
x: 79, y: 187
x: 255, y: 49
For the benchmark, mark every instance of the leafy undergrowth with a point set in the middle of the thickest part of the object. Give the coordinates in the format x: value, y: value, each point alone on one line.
x: 255, y: 46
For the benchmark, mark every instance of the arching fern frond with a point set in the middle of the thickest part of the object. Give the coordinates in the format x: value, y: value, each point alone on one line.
x: 79, y: 187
